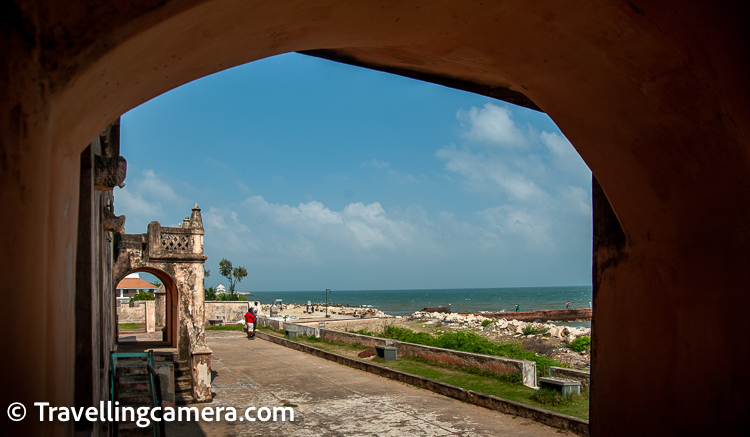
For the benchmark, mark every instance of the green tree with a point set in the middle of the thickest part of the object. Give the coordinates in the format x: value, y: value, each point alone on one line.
x: 142, y: 295
x: 210, y: 293
x: 229, y: 297
x: 233, y: 274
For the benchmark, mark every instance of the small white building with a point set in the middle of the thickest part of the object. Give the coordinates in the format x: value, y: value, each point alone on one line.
x: 131, y: 285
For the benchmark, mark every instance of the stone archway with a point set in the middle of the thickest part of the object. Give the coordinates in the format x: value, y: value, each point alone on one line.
x: 169, y: 310
x: 175, y: 254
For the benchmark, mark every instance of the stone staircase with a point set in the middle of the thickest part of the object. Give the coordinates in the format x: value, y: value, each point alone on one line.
x: 183, y: 383
x: 134, y: 387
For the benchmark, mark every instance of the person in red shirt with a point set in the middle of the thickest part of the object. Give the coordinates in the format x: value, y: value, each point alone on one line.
x: 249, y: 322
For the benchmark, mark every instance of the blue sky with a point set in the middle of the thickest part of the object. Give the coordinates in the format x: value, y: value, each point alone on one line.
x: 316, y: 175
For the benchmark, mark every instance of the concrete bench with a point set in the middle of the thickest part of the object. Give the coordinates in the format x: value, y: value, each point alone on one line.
x: 218, y: 320
x: 566, y: 387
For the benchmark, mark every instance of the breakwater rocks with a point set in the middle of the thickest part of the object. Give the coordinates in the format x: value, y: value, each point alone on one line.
x: 503, y: 327
x: 320, y: 309
x: 545, y: 315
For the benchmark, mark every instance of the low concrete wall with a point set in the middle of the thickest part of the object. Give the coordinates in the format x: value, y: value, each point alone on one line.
x: 302, y: 330
x: 134, y: 312
x: 543, y: 315
x: 576, y: 375
x: 271, y: 323
x: 500, y: 365
x: 233, y: 312
x: 550, y: 418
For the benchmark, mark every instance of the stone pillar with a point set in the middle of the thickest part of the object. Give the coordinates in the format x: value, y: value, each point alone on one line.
x: 150, y: 316
x: 201, y: 372
x: 161, y: 305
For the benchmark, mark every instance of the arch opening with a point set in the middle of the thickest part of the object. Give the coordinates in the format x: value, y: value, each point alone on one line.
x: 165, y: 315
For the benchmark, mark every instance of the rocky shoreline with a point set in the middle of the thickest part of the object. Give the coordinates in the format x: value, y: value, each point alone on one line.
x: 505, y: 327
x: 544, y: 338
x: 340, y: 310
x: 528, y: 328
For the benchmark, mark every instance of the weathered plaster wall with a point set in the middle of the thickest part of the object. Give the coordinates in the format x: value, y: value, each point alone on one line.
x: 232, y: 311
x: 654, y: 95
x: 134, y: 312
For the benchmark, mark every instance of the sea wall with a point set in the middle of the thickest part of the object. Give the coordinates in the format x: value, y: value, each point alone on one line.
x: 544, y: 315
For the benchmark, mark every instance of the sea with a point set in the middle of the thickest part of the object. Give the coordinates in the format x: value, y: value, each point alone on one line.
x: 474, y: 300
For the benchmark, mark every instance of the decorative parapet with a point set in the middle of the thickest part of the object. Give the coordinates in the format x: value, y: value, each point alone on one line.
x: 184, y: 243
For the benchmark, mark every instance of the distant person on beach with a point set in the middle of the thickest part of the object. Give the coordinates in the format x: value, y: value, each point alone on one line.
x: 590, y: 305
x: 567, y: 305
x: 249, y: 323
x: 307, y: 309
x: 356, y: 313
x: 518, y: 308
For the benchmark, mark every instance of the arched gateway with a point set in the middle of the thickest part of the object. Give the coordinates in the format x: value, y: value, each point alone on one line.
x: 178, y: 253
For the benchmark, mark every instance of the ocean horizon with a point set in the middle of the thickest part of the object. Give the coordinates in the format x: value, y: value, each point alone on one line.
x: 475, y: 300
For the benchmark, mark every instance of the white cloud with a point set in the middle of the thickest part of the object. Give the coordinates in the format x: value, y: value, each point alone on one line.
x: 145, y: 198
x: 567, y: 158
x: 531, y: 226
x: 133, y: 204
x: 524, y: 175
x: 540, y: 182
x: 487, y: 172
x: 157, y: 188
x: 309, y: 216
x: 493, y: 125
x: 228, y: 232
x: 399, y: 176
x: 244, y: 188
x: 576, y: 199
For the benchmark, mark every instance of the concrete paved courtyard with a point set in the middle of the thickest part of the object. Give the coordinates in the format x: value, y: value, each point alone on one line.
x: 333, y: 400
